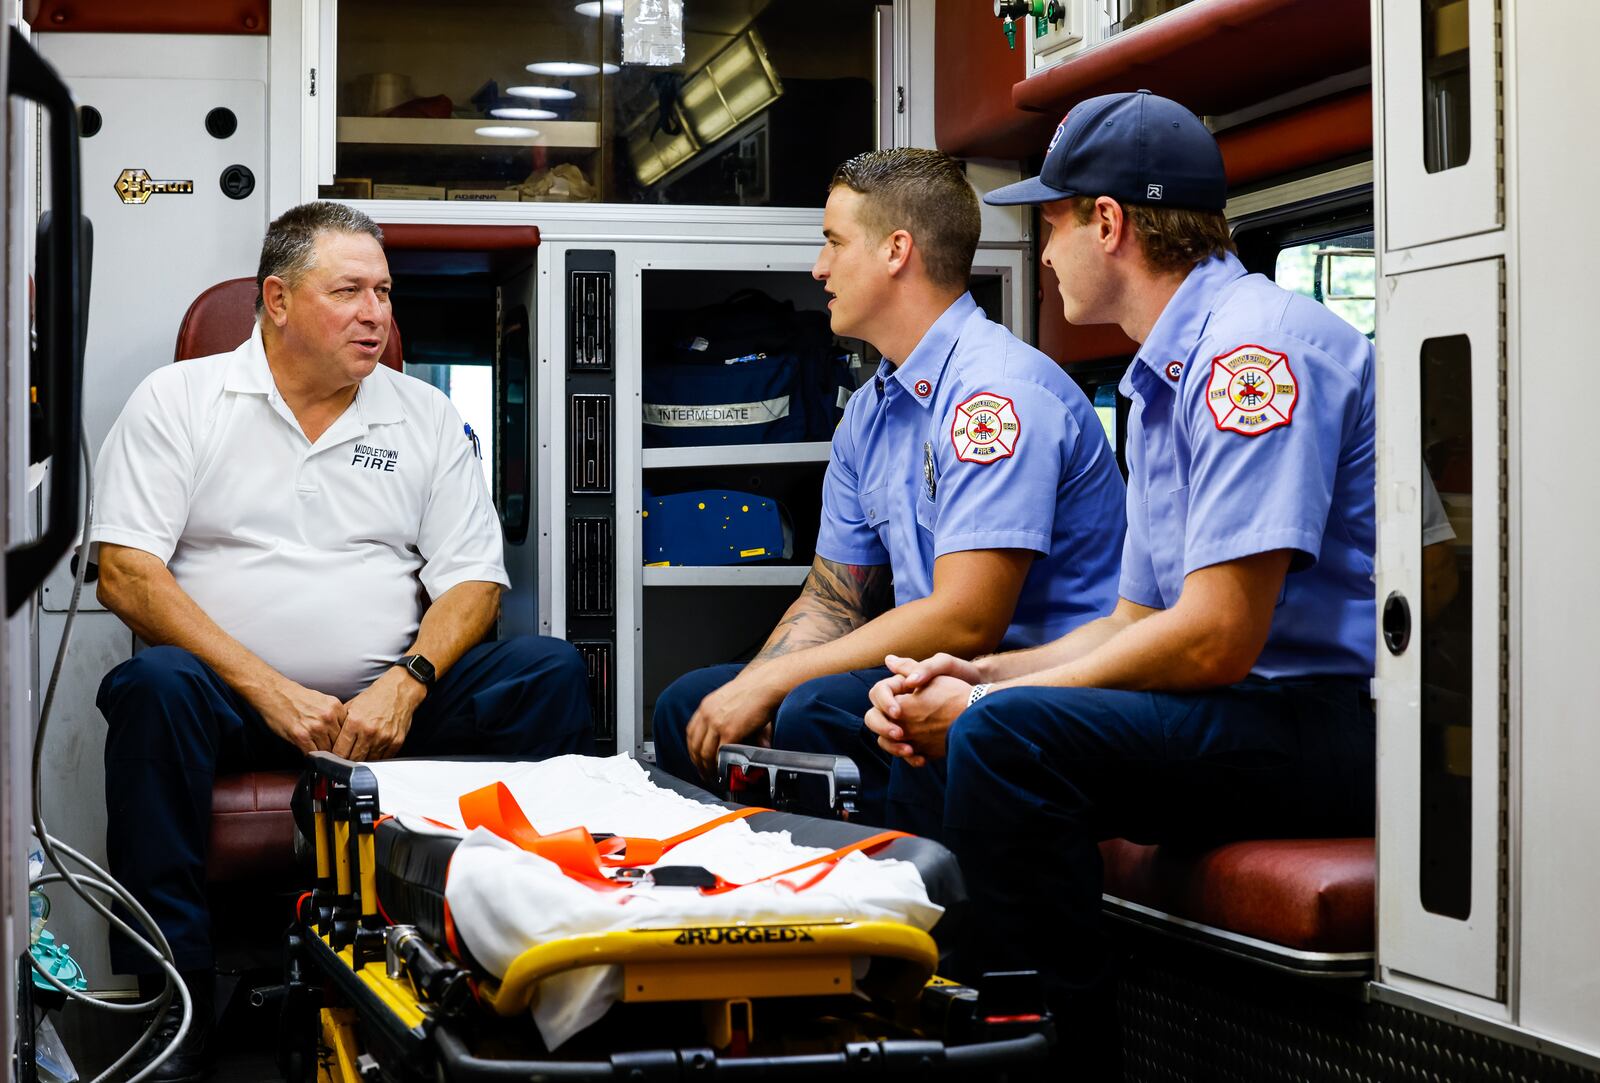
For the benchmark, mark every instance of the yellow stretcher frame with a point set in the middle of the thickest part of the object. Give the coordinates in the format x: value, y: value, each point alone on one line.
x: 722, y: 966
x: 729, y: 961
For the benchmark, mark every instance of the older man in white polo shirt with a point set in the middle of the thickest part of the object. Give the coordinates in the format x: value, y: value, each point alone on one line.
x: 306, y: 539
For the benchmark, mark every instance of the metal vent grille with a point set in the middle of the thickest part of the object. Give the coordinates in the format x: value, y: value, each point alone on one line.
x: 591, y: 567
x: 596, y: 656
x: 589, y: 429
x: 589, y: 321
x: 1185, y: 1015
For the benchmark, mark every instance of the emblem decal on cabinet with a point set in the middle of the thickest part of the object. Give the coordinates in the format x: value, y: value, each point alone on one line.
x: 135, y: 186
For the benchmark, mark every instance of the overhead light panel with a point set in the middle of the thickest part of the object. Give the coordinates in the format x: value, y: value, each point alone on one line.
x: 542, y: 93
x: 734, y: 86
x: 570, y: 68
x: 511, y: 112
x: 594, y: 8
x: 505, y: 131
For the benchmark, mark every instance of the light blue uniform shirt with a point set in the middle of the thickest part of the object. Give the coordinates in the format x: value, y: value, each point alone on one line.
x: 978, y: 441
x: 1252, y: 430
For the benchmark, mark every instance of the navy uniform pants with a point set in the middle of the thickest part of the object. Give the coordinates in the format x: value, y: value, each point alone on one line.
x: 822, y: 715
x: 173, y: 724
x: 1037, y: 777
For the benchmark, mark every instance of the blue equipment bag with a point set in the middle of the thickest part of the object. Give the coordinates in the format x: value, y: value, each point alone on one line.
x: 714, y: 527
x: 749, y: 370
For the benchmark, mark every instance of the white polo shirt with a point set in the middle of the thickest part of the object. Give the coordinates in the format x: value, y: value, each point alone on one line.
x: 320, y: 558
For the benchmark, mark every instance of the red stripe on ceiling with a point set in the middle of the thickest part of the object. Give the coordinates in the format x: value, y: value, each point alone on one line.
x: 460, y: 237
x: 1214, y: 56
x: 1333, y: 128
x: 149, y: 16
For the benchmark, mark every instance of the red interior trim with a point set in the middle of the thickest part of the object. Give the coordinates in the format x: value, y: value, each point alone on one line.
x: 149, y: 16
x: 1322, y: 131
x: 472, y: 238
x: 973, y: 73
x: 1214, y: 56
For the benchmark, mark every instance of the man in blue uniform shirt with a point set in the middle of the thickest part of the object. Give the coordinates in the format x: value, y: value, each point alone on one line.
x: 971, y: 499
x: 1226, y: 695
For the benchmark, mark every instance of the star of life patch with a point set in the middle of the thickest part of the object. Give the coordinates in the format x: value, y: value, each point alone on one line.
x: 1174, y: 370
x: 985, y: 428
x: 1252, y: 390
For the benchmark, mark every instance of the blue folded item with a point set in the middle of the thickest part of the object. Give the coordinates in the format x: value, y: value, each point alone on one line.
x: 746, y: 370
x: 750, y: 401
x: 714, y: 527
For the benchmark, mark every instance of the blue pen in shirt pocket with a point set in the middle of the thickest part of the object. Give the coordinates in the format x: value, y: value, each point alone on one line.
x: 477, y: 448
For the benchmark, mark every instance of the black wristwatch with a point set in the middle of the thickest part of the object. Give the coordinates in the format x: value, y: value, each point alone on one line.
x: 418, y: 666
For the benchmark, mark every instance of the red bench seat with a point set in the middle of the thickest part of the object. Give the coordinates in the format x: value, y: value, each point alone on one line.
x: 252, y: 830
x: 1305, y: 895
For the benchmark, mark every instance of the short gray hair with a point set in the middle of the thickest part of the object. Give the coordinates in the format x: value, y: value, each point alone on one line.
x: 290, y: 247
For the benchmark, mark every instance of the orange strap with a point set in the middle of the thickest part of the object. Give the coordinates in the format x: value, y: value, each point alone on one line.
x: 828, y: 863
x: 635, y: 852
x: 573, y: 850
x: 576, y: 853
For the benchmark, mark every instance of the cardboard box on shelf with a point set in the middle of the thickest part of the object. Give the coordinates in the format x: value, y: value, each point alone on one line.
x: 407, y: 191
x: 348, y: 188
x: 486, y: 195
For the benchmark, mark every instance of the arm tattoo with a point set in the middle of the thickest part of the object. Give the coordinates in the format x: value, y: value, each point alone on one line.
x: 837, y: 599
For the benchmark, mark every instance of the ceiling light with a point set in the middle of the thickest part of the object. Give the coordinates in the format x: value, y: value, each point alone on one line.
x: 514, y: 113
x: 505, y: 131
x: 547, y: 93
x: 570, y: 68
x: 592, y: 8
x: 562, y: 67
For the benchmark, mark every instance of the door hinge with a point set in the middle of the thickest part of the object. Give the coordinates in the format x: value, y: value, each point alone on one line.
x: 900, y: 100
x: 313, y: 82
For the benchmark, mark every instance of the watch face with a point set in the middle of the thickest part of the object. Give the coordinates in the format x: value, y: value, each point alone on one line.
x: 420, y: 668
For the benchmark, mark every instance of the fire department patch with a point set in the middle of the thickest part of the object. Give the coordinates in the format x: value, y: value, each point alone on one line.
x: 1174, y: 370
x: 1252, y: 390
x: 985, y: 428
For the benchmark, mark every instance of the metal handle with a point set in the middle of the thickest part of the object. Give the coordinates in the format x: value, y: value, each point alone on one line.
x: 1396, y: 623
x: 62, y: 303
x: 841, y: 773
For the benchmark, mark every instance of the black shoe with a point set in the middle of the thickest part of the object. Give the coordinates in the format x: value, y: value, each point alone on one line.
x: 191, y: 1061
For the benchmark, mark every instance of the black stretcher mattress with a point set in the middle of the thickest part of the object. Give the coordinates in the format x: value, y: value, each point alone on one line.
x: 412, y: 866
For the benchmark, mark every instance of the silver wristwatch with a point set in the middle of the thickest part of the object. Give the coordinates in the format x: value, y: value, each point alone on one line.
x: 978, y: 692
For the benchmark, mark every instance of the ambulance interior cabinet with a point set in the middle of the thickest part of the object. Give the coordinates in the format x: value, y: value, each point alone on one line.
x: 700, y: 614
x: 1440, y: 111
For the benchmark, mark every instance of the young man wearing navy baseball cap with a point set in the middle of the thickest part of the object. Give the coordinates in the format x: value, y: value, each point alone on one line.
x: 1226, y: 696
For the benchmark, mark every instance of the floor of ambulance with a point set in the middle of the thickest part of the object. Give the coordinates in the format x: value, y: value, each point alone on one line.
x: 246, y: 1040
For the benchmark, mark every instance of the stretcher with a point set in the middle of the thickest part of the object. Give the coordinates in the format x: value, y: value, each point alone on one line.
x: 384, y: 983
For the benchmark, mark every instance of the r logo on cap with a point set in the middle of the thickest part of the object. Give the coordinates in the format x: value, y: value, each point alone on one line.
x: 1152, y: 191
x: 1054, y: 139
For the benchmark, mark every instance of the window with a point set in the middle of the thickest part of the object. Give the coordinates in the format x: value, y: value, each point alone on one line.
x: 471, y: 390
x: 1339, y: 272
x: 528, y: 100
x: 1446, y: 84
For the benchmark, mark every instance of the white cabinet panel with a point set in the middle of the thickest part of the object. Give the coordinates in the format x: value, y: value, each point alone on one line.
x: 1440, y: 109
x: 1440, y: 692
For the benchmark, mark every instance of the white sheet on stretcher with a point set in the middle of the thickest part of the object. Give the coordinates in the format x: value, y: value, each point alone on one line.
x: 505, y: 900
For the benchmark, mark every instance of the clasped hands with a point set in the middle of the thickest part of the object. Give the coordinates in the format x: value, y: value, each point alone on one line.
x: 371, y: 726
x: 914, y: 708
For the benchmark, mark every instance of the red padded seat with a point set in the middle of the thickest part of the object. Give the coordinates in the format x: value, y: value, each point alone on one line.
x: 224, y: 315
x: 1312, y: 895
x: 252, y: 830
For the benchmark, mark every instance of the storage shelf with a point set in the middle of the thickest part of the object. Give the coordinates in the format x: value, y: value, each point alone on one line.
x: 667, y: 458
x: 738, y: 575
x: 442, y: 132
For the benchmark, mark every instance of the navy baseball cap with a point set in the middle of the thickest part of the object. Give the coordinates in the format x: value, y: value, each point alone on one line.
x: 1135, y: 148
